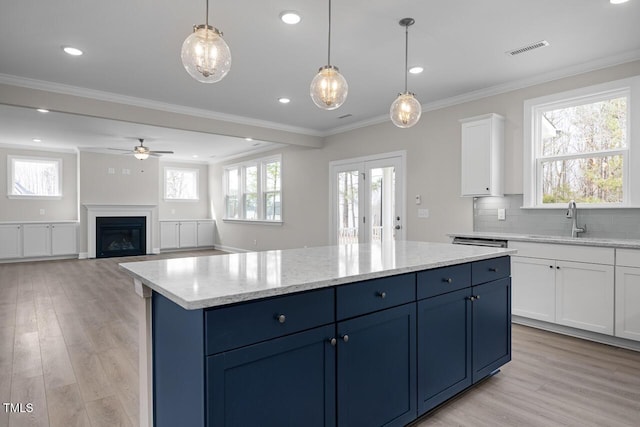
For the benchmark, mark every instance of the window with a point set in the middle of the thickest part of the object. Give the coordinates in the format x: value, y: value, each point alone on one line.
x: 34, y: 177
x: 181, y: 184
x: 577, y: 147
x: 253, y: 190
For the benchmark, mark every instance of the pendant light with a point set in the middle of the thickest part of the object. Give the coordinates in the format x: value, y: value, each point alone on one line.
x: 328, y: 88
x: 406, y: 110
x: 205, y: 55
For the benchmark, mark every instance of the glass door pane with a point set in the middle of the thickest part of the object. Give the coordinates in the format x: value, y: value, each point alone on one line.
x: 348, y: 219
x: 382, y: 203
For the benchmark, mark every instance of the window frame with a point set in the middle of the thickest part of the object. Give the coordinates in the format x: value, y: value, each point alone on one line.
x: 532, y: 159
x: 11, y: 177
x: 260, y: 164
x: 181, y: 169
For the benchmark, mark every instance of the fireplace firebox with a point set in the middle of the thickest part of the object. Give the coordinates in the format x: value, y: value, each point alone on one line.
x: 120, y: 236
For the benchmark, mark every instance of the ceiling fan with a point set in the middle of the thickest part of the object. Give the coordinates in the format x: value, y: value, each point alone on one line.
x: 142, y: 152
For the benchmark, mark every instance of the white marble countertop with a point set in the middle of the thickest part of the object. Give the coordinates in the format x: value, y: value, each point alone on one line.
x: 565, y: 240
x: 209, y: 281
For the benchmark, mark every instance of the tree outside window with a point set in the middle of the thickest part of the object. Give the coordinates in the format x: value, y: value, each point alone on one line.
x: 34, y: 177
x: 181, y: 184
x: 257, y: 184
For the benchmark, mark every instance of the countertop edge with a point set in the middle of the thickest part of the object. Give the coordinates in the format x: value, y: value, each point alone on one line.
x: 308, y: 286
x: 562, y: 240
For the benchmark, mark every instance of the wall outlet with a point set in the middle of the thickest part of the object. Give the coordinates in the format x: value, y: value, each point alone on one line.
x: 41, y: 211
x: 423, y: 213
x: 502, y: 215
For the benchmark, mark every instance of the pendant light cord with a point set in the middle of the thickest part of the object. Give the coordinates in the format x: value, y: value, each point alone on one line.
x: 207, y: 17
x: 329, y: 49
x: 406, y: 56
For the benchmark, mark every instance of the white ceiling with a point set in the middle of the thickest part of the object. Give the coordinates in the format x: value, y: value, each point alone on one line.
x: 132, y: 48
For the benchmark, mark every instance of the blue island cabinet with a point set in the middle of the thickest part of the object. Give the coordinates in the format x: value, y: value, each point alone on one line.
x: 464, y: 327
x: 379, y: 352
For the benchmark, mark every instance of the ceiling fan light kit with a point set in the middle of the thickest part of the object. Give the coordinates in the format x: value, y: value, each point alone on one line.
x: 329, y: 88
x: 205, y: 55
x: 405, y: 111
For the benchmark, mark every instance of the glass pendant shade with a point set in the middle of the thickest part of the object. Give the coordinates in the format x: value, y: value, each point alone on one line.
x: 205, y: 54
x: 329, y: 88
x: 405, y: 110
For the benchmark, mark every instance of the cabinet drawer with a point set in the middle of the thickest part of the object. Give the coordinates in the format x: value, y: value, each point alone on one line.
x: 243, y: 324
x: 628, y: 257
x: 443, y: 280
x: 490, y: 269
x: 373, y: 295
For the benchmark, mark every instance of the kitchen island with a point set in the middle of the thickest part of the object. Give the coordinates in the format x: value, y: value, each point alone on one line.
x: 369, y: 334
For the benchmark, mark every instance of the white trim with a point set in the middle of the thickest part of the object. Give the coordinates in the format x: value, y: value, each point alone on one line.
x: 599, y: 64
x: 180, y: 169
x: 231, y: 249
x: 41, y: 159
x: 96, y: 210
x: 47, y: 149
x: 629, y: 87
x: 147, y: 103
x: 252, y: 221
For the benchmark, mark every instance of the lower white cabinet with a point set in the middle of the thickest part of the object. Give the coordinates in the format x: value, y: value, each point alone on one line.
x: 186, y: 234
x: 628, y: 294
x: 567, y: 285
x: 34, y: 240
x: 206, y: 233
x: 11, y: 238
x: 584, y: 296
x: 534, y: 288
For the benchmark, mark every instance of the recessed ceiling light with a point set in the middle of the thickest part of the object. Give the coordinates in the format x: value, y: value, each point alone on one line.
x: 284, y: 100
x: 42, y: 110
x: 36, y: 140
x: 248, y: 139
x: 195, y: 156
x: 416, y: 70
x: 72, y: 51
x: 618, y: 1
x: 290, y: 17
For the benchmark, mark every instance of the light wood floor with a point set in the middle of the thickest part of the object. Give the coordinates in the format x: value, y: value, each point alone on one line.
x: 68, y: 344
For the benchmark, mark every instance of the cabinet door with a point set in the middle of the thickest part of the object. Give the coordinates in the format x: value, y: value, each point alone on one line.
x: 11, y: 238
x: 476, y: 158
x: 444, y: 348
x: 188, y: 234
x: 377, y: 368
x: 534, y: 288
x: 168, y: 234
x: 491, y: 325
x: 628, y: 303
x: 36, y: 240
x: 584, y: 296
x: 63, y: 239
x: 287, y: 381
x: 206, y: 233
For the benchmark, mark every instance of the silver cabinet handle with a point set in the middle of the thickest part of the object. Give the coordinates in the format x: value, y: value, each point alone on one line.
x: 471, y: 298
x: 333, y: 341
x: 477, y: 296
x: 494, y: 269
x: 345, y: 338
x: 448, y: 280
x: 382, y: 294
x: 281, y: 318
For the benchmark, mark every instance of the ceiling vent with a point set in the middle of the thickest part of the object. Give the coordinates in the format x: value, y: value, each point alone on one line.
x: 527, y: 48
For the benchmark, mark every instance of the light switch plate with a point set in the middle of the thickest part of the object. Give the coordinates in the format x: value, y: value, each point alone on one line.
x: 502, y: 215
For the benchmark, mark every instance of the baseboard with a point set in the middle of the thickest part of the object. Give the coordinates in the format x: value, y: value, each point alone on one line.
x: 230, y: 249
x: 44, y: 258
x: 83, y: 255
x: 577, y: 333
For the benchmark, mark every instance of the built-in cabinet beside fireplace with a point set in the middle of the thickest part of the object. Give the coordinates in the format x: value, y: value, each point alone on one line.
x: 186, y: 234
x: 38, y: 239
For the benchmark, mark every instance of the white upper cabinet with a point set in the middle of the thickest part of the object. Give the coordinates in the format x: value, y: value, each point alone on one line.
x: 483, y: 155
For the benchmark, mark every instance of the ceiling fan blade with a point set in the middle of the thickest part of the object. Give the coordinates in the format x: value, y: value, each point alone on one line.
x: 161, y: 152
x: 119, y: 149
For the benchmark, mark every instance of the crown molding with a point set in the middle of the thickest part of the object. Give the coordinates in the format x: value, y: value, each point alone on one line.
x: 39, y: 148
x: 502, y: 88
x: 147, y: 103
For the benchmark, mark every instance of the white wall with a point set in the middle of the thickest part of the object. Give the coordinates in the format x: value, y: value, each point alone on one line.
x: 433, y: 169
x: 62, y: 209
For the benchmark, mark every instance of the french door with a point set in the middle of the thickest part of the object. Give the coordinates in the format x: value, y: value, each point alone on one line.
x: 367, y: 199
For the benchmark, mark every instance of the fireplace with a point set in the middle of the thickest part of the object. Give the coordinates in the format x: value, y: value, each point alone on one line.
x: 120, y: 236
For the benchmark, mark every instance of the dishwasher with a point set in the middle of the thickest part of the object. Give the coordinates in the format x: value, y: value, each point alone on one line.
x: 478, y: 241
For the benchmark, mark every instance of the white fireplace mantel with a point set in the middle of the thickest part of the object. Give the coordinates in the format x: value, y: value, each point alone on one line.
x: 99, y: 210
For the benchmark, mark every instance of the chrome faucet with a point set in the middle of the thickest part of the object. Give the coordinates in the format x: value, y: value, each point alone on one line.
x: 572, y: 213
